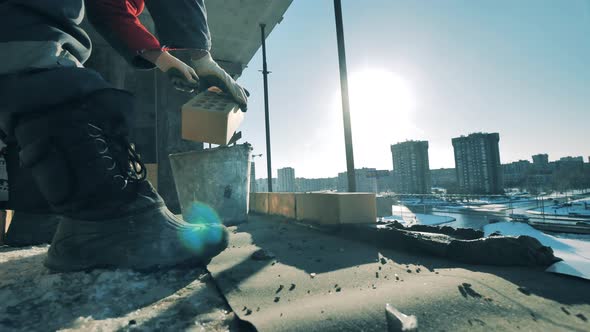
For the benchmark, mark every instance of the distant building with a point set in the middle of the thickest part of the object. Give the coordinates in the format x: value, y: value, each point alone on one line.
x: 443, y: 178
x: 385, y: 181
x: 539, y: 181
x: 286, y: 179
x: 579, y: 159
x: 410, y: 167
x: 262, y: 185
x: 477, y: 163
x: 516, y: 173
x: 541, y: 160
x: 253, y: 186
x: 570, y: 163
x: 322, y: 184
x: 366, y: 180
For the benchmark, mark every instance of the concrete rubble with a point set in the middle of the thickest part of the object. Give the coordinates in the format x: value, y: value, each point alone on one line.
x: 461, y: 245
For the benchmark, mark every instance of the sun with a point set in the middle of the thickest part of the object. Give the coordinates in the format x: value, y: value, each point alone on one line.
x: 380, y: 95
x: 382, y: 107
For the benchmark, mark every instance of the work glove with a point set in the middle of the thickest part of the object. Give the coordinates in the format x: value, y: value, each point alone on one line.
x: 181, y: 75
x: 210, y: 74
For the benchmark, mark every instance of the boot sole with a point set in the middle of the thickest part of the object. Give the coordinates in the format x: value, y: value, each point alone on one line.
x: 78, y: 246
x: 58, y: 265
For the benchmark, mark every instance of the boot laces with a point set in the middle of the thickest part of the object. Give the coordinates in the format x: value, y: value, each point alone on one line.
x: 127, y: 160
x: 135, y: 171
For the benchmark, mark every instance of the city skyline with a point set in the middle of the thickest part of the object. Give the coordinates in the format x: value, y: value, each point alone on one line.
x: 478, y: 171
x: 517, y: 68
x: 585, y: 159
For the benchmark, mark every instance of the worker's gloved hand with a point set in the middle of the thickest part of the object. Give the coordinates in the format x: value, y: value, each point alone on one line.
x: 210, y: 74
x: 182, y: 76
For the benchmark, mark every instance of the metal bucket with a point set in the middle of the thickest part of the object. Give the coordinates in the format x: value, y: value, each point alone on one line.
x: 218, y: 178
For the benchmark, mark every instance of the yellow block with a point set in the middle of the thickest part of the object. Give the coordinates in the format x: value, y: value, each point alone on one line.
x: 152, y: 174
x: 282, y: 204
x: 259, y: 203
x: 337, y: 208
x: 210, y: 117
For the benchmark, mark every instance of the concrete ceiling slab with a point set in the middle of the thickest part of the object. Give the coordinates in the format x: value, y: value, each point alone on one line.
x: 235, y: 27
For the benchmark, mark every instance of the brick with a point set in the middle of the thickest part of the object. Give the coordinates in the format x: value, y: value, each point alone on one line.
x: 336, y: 208
x: 210, y: 117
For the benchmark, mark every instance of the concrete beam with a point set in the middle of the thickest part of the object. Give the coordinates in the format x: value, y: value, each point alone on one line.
x: 259, y: 203
x: 282, y: 204
x: 336, y: 208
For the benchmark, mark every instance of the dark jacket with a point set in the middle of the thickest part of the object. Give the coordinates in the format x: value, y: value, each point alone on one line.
x: 43, y: 47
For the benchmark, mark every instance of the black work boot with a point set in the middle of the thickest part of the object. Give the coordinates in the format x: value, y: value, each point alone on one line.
x: 87, y: 170
x: 33, y: 222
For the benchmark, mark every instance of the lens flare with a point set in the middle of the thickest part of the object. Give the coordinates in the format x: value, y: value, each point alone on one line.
x: 207, y: 227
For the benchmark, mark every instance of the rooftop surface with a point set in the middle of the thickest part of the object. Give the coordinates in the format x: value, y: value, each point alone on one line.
x: 307, y: 280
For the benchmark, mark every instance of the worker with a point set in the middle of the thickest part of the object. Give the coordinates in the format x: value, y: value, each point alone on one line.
x: 71, y: 127
x: 181, y: 25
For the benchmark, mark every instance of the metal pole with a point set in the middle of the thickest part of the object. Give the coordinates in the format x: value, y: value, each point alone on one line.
x: 265, y: 73
x: 543, y: 207
x: 345, y: 101
x: 156, y: 101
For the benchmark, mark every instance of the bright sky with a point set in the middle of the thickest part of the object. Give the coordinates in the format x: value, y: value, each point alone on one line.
x: 429, y: 70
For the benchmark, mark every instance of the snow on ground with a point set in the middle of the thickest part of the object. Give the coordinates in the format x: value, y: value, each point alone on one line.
x: 34, y: 299
x: 488, y: 208
x: 431, y: 220
x: 576, y: 210
x: 574, y: 252
x: 585, y: 237
x: 409, y: 218
x: 493, y: 208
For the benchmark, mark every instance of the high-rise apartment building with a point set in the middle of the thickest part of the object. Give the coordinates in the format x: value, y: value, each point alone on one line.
x: 477, y: 162
x: 286, y: 179
x: 410, y: 167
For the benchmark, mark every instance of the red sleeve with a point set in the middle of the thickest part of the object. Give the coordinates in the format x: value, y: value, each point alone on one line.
x: 117, y: 21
